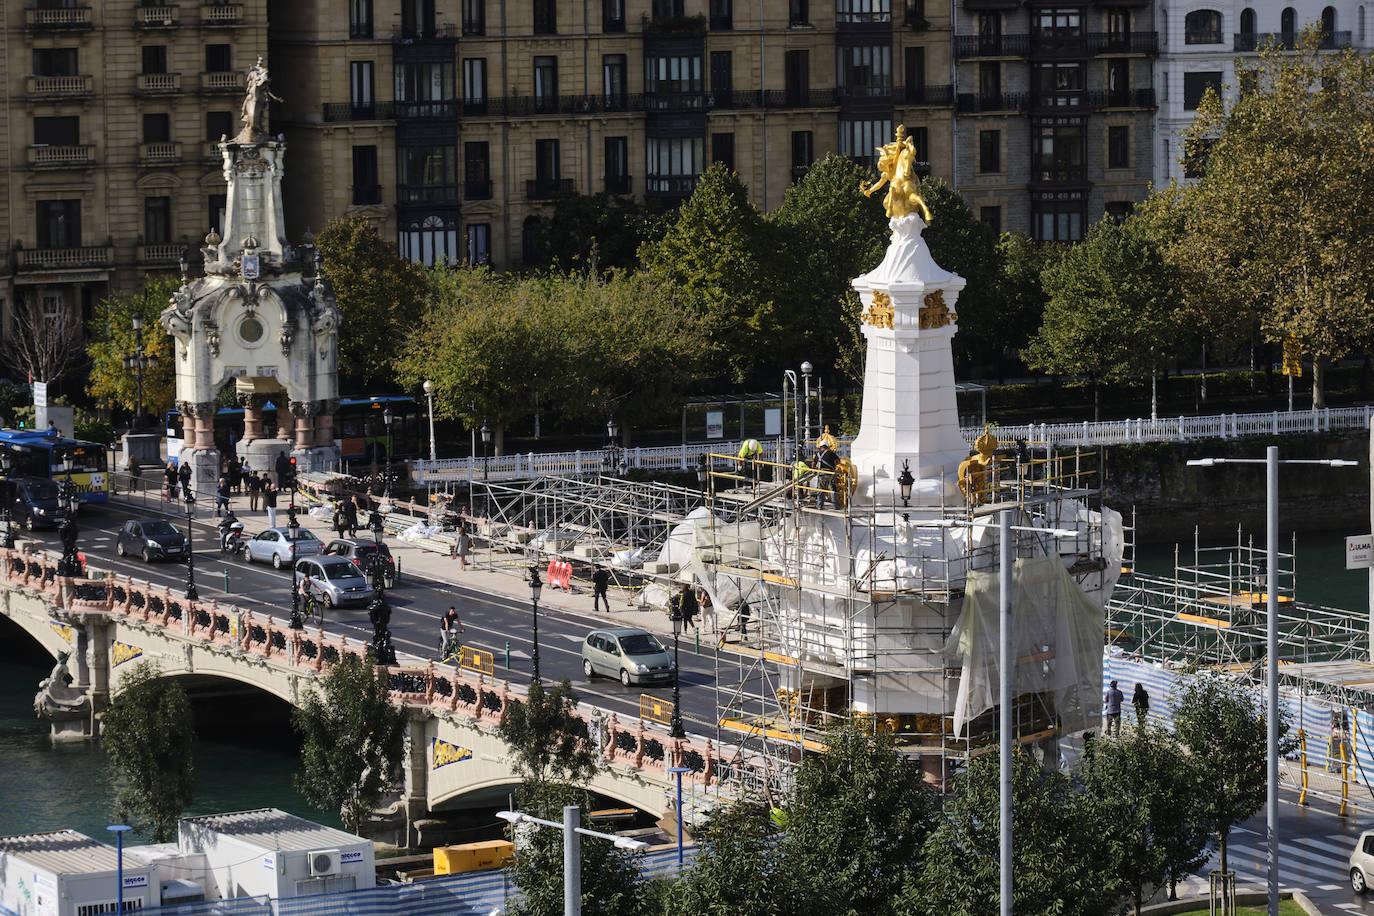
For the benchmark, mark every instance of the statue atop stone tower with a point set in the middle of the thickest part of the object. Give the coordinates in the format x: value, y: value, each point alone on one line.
x: 262, y: 316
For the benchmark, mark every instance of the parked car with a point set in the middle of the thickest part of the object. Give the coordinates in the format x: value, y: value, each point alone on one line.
x: 334, y: 580
x: 152, y: 539
x: 361, y: 553
x: 36, y: 503
x: 633, y: 655
x: 1362, y: 863
x: 274, y: 546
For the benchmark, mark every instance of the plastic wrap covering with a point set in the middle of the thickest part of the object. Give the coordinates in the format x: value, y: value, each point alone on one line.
x: 1057, y: 641
x: 697, y: 541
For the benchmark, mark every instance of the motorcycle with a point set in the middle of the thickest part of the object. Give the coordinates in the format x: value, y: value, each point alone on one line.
x: 231, y: 540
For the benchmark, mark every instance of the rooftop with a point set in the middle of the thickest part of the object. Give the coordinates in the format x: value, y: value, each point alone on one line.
x: 62, y: 852
x: 272, y: 829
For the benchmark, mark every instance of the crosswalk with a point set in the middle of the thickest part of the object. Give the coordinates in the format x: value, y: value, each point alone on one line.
x: 1305, y: 863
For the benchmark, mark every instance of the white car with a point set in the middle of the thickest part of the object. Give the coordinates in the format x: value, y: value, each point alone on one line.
x: 274, y: 546
x: 1362, y: 863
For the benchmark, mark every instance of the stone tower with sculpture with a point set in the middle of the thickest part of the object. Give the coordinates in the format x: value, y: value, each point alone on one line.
x: 262, y: 317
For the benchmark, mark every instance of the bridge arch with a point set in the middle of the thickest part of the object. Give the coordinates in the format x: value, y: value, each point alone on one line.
x: 54, y: 637
x: 507, y: 785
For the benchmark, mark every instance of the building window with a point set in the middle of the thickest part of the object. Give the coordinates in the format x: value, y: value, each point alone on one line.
x: 798, y: 12
x: 723, y: 150
x: 479, y: 243
x: 989, y: 151
x: 1195, y: 85
x: 215, y: 205
x: 59, y: 223
x: 1118, y: 82
x: 359, y: 18
x: 859, y: 139
x: 989, y: 33
x: 1119, y: 210
x: 668, y: 9
x: 863, y: 11
x: 678, y: 75
x: 477, y: 170
x: 154, y: 59
x: 367, y: 188
x: 426, y: 174
x: 797, y: 76
x: 1058, y: 150
x: 219, y: 125
x: 672, y: 164
x: 546, y: 84
x: 474, y: 17
x: 1247, y: 29
x: 991, y: 218
x: 548, y: 168
x: 1288, y: 26
x: 722, y: 16
x: 546, y: 17
x: 430, y: 240
x: 722, y: 77
x: 360, y: 80
x: 1202, y: 27
x: 1058, y: 218
x: 417, y: 19
x: 990, y: 84
x: 612, y: 15
x: 428, y: 81
x: 920, y: 138
x: 617, y: 170
x: 60, y: 62
x: 1118, y: 147
x: 157, y: 220
x: 914, y: 73
x: 865, y: 71
x: 914, y: 13
x: 63, y: 131
x: 803, y: 153
x: 1058, y: 85
x: 1328, y: 26
x: 157, y: 128
x: 614, y: 89
x: 475, y: 85
x: 219, y: 58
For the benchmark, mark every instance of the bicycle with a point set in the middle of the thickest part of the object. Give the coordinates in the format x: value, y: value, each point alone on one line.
x: 314, y: 607
x: 449, y: 645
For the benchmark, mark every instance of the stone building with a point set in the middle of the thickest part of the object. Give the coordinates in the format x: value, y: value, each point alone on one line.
x: 111, y: 109
x: 450, y: 123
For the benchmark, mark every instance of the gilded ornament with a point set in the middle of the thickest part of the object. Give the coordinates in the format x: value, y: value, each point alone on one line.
x: 881, y: 313
x: 897, y: 166
x: 973, y: 471
x: 934, y: 313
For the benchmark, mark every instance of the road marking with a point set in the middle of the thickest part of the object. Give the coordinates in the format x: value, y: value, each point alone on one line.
x: 1342, y: 852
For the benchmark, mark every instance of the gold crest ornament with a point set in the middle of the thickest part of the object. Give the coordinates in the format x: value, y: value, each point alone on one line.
x: 827, y: 439
x: 973, y: 471
x: 934, y: 313
x: 897, y: 166
x: 846, y: 481
x: 881, y: 313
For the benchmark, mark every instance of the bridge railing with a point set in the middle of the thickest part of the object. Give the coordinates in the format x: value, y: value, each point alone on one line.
x: 437, y: 688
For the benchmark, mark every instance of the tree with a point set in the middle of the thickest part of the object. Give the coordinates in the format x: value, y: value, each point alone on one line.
x: 1112, y: 310
x: 721, y: 258
x: 1148, y: 788
x: 960, y: 243
x: 737, y: 871
x: 1222, y: 723
x: 147, y: 733
x: 1278, y: 216
x: 547, y: 740
x: 380, y: 294
x: 44, y: 347
x: 593, y: 232
x: 1060, y: 862
x: 1021, y: 295
x: 351, y: 740
x: 112, y: 338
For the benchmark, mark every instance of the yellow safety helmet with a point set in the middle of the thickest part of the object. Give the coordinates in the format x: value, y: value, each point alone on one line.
x: 750, y: 448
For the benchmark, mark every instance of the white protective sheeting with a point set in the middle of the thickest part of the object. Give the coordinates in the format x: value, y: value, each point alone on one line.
x: 1057, y: 643
x: 699, y: 540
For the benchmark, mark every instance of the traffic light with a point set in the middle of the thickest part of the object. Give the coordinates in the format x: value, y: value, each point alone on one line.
x: 291, y: 474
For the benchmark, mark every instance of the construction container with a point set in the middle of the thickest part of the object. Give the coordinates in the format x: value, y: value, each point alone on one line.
x: 455, y: 860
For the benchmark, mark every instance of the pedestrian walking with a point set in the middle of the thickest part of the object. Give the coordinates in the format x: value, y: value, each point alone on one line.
x: 1111, y: 702
x: 464, y: 545
x: 184, y: 475
x: 283, y: 470
x: 601, y: 584
x: 340, y: 519
x: 169, y: 476
x: 269, y: 502
x: 351, y: 515
x: 254, y: 483
x: 687, y: 605
x: 222, y: 496
x: 235, y: 476
x: 135, y: 474
x: 1141, y: 701
x: 744, y: 614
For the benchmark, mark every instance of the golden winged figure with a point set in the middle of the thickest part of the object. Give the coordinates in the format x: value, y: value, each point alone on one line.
x: 897, y: 165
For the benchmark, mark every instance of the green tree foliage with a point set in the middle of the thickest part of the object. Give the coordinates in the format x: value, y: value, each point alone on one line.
x: 1222, y: 722
x: 1278, y: 217
x: 737, y: 870
x: 351, y: 740
x: 1060, y: 862
x: 547, y: 741
x: 961, y: 244
x: 380, y: 294
x: 1021, y: 299
x: 721, y: 257
x: 593, y: 232
x: 1148, y: 787
x: 147, y: 733
x: 112, y: 338
x: 1112, y: 312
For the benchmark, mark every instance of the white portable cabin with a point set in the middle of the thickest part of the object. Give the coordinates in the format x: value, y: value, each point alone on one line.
x: 65, y: 873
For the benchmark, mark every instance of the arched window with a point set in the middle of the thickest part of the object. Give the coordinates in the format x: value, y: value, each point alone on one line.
x: 1247, y: 23
x: 1288, y: 26
x: 1361, y: 24
x: 1329, y: 27
x: 430, y: 240
x: 1202, y: 27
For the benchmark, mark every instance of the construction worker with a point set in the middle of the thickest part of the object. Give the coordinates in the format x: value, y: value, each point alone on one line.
x: 827, y: 459
x: 749, y: 453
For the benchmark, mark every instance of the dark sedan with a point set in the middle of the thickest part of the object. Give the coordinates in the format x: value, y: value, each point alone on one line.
x: 151, y: 539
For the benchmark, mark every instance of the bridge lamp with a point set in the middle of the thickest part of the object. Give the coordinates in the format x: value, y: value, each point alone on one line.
x: 192, y: 593
x: 7, y: 464
x: 387, y: 418
x: 294, y: 532
x: 573, y: 831
x: 675, y: 728
x: 536, y: 586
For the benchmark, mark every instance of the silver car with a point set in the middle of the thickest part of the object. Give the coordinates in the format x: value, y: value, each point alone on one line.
x: 274, y: 546
x: 634, y: 656
x: 334, y: 580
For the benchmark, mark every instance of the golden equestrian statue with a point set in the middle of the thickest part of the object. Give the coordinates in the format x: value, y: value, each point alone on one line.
x: 897, y: 165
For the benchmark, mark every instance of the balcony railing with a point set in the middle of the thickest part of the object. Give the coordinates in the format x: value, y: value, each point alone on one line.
x: 1090, y: 100
x: 221, y: 15
x: 1050, y: 44
x: 221, y: 81
x: 65, y: 258
x: 477, y: 189
x: 547, y: 188
x: 350, y: 111
x: 61, y: 157
x: 977, y: 103
x: 670, y: 185
x: 851, y: 95
x: 444, y: 32
x: 437, y: 109
x: 1059, y: 174
x: 159, y: 153
x: 524, y: 106
x: 157, y: 83
x: 1123, y: 42
x: 991, y: 46
x: 56, y: 20
x: 863, y: 17
x: 927, y: 95
x: 210, y: 152
x: 157, y: 17
x: 1127, y: 98
x: 619, y: 184
x: 427, y: 194
x: 161, y: 253
x: 365, y: 195
x: 1288, y: 41
x: 58, y: 87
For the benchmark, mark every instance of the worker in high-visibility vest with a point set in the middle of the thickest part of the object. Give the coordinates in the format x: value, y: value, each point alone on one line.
x: 749, y: 453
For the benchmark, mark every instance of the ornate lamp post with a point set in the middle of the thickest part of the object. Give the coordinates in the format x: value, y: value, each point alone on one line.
x: 429, y: 396
x: 293, y: 528
x: 70, y: 563
x: 378, y: 562
x: 136, y: 362
x: 192, y: 593
x: 486, y: 464
x: 703, y: 475
x: 806, y: 370
x: 7, y: 463
x: 675, y: 727
x: 905, y: 481
x: 386, y: 418
x: 536, y: 586
x: 613, y: 449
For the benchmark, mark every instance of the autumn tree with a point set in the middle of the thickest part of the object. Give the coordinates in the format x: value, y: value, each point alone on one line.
x: 113, y: 337
x: 44, y: 346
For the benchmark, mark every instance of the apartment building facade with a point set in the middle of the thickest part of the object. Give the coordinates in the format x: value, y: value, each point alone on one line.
x: 1056, y: 107
x: 452, y: 123
x: 1202, y: 42
x: 111, y: 112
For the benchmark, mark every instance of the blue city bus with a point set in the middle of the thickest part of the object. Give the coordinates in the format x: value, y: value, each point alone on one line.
x: 43, y: 454
x: 359, y: 428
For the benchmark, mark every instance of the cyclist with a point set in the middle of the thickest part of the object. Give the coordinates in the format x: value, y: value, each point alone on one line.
x: 449, y: 627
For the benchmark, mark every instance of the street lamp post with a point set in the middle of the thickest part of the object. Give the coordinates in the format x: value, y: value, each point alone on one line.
x: 703, y: 474
x: 613, y: 449
x: 378, y: 564
x: 70, y: 563
x: 1271, y: 464
x: 675, y: 728
x: 136, y: 362
x: 119, y: 830
x: 192, y: 593
x: 486, y: 464
x: 678, y: 773
x: 429, y: 396
x: 573, y: 831
x: 293, y: 529
x: 536, y: 586
x: 7, y: 464
x: 806, y: 370
x: 386, y: 418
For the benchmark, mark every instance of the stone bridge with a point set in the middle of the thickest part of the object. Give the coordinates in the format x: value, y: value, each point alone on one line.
x: 108, y: 622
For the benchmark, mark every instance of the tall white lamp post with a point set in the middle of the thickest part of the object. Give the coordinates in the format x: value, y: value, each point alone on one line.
x: 573, y: 831
x: 429, y: 397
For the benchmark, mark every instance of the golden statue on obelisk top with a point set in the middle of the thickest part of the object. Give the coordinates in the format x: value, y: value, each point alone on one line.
x: 897, y: 165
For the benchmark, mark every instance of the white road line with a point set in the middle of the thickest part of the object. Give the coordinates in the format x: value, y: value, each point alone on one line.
x: 1342, y: 852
